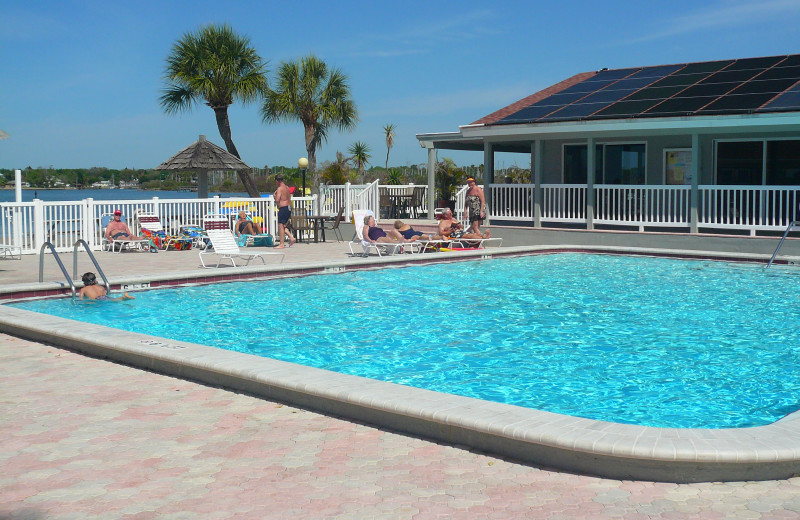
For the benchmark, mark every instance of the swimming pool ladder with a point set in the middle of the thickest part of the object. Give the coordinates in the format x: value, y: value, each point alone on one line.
x: 70, y: 280
x: 788, y: 228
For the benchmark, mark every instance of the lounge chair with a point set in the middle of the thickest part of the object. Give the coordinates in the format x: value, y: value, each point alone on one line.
x: 381, y: 248
x: 260, y: 240
x: 9, y: 251
x: 152, y: 228
x: 224, y: 245
x: 117, y: 245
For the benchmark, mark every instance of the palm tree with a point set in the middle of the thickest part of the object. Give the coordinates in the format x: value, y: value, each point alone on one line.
x: 389, y: 131
x: 306, y: 90
x: 217, y: 66
x: 360, y: 155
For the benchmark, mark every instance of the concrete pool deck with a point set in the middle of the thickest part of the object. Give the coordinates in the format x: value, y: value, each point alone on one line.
x: 619, y: 451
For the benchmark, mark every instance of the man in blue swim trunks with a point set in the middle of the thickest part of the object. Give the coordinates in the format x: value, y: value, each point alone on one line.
x: 283, y: 199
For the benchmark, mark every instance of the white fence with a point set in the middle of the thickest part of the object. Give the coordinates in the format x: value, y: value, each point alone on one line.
x: 28, y: 225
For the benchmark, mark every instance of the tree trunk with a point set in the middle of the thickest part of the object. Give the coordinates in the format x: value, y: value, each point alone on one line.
x: 311, y: 150
x: 224, y: 126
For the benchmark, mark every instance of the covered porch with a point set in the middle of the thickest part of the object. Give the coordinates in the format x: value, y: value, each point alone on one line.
x: 732, y: 174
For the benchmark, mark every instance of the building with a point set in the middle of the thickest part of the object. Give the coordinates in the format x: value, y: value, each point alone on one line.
x: 694, y: 146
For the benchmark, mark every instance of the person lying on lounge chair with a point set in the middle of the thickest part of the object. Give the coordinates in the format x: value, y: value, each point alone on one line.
x: 92, y: 291
x: 405, y: 232
x: 451, y: 229
x: 245, y: 226
x: 373, y: 234
x: 118, y: 230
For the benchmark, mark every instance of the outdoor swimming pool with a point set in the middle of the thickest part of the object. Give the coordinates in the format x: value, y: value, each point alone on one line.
x: 648, y: 341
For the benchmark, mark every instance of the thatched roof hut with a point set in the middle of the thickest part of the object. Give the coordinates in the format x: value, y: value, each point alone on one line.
x: 3, y: 135
x: 202, y: 156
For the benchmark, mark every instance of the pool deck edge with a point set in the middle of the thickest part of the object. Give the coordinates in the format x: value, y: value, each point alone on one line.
x: 582, y: 445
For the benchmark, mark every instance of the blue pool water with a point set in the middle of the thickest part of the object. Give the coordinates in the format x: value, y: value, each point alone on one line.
x: 650, y: 341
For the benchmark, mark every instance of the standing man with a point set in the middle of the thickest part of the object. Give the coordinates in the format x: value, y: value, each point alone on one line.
x: 283, y: 199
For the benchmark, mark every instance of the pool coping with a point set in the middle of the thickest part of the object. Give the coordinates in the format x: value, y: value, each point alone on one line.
x: 563, y: 442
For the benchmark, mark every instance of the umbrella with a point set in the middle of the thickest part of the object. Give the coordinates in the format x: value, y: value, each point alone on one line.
x: 3, y: 135
x: 202, y: 156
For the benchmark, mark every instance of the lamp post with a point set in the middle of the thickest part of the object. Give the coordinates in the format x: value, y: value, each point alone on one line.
x: 302, y: 163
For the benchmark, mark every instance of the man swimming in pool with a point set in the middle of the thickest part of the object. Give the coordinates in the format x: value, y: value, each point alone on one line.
x: 92, y: 291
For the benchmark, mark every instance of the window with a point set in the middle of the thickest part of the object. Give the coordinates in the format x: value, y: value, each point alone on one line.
x: 614, y: 164
x: 624, y: 164
x: 740, y: 162
x: 783, y: 163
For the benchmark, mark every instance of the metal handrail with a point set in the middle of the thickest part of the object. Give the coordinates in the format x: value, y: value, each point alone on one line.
x: 788, y: 228
x: 60, y: 264
x: 93, y: 259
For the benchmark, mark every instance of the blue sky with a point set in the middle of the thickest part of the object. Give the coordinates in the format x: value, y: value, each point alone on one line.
x: 80, y: 81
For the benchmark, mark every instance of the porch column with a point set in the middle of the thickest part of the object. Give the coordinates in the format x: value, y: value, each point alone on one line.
x: 590, y: 183
x: 537, y: 162
x: 694, y: 195
x: 488, y: 174
x: 431, y: 181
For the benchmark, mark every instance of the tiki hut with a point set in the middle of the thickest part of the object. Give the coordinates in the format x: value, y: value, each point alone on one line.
x: 201, y: 157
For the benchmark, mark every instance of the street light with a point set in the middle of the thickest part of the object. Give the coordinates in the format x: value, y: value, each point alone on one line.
x: 302, y: 163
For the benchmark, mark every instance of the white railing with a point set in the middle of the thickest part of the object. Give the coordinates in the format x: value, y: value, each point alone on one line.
x: 361, y: 196
x: 642, y: 205
x: 564, y: 203
x: 511, y: 201
x: 748, y: 207
x: 29, y: 225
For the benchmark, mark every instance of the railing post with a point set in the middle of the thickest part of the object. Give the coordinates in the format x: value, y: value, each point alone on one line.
x: 87, y: 222
x: 38, y: 224
x: 694, y: 195
x: 590, y: 193
x: 348, y: 204
x: 537, y: 162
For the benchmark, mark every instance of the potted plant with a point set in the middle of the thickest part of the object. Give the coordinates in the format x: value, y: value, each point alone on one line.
x: 448, y: 177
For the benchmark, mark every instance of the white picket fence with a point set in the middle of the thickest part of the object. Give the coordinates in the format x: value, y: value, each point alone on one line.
x: 28, y: 225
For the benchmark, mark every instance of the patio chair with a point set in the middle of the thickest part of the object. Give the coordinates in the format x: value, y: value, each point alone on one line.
x: 301, y: 225
x: 152, y: 228
x: 382, y: 248
x: 117, y: 245
x: 335, y: 225
x: 224, y: 245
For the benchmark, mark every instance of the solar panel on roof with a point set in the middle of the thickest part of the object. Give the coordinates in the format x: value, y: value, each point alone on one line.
x: 755, y: 63
x: 707, y: 88
x: 734, y: 103
x: 790, y: 100
x: 679, y: 106
x: 781, y: 72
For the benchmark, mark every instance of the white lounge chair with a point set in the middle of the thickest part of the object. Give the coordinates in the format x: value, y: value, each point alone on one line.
x: 224, y: 244
x: 381, y: 248
x: 117, y: 245
x: 10, y: 251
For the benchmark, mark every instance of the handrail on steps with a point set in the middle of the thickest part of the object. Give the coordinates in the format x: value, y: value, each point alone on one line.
x: 788, y: 228
x: 91, y: 257
x: 60, y: 265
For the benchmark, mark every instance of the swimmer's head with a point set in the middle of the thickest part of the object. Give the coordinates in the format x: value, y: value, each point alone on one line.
x: 89, y: 279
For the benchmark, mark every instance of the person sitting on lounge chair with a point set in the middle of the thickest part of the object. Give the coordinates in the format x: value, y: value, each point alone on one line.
x: 245, y: 226
x: 92, y: 291
x: 373, y: 234
x: 404, y: 231
x: 451, y: 229
x: 118, y: 230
